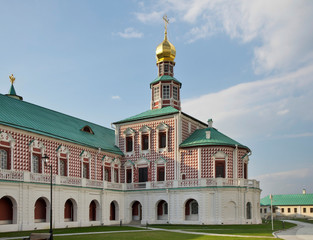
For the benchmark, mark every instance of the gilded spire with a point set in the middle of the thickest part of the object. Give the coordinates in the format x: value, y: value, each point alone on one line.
x: 12, y: 78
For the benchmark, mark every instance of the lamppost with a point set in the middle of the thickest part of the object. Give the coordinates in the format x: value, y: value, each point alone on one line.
x: 45, y: 158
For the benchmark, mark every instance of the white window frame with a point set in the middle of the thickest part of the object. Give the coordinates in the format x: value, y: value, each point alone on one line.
x: 145, y: 130
x: 129, y: 132
x: 176, y: 93
x: 220, y: 156
x: 160, y: 128
x: 85, y: 155
x: 161, y: 162
x: 6, y: 137
x: 156, y: 96
x: 63, y: 150
x: 36, y: 144
x: 169, y: 91
x: 129, y: 165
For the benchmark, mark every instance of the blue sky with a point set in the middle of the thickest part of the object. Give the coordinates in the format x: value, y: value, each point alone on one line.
x: 246, y: 64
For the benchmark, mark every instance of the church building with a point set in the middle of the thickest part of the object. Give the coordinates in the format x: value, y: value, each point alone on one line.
x: 159, y: 166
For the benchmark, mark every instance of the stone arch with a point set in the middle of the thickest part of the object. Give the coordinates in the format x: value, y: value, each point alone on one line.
x: 93, y: 210
x: 136, y: 210
x: 248, y: 210
x: 162, y: 210
x: 8, y: 210
x: 191, y: 208
x: 41, y: 210
x: 70, y: 210
x: 114, y: 211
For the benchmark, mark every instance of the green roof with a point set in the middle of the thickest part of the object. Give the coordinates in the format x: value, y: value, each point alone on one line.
x: 165, y: 78
x: 12, y: 90
x: 150, y: 114
x: 198, y: 138
x: 33, y: 118
x: 288, y: 200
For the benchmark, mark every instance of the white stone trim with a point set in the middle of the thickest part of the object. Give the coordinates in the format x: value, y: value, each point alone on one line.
x: 83, y: 156
x: 162, y: 127
x: 219, y: 155
x: 129, y: 132
x: 36, y: 144
x: 6, y: 137
x: 63, y: 150
x: 145, y: 130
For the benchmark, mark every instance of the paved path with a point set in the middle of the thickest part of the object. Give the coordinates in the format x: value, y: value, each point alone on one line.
x: 304, y: 231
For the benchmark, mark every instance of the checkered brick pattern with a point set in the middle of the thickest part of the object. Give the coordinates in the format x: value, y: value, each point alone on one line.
x: 189, y: 163
x: 241, y: 153
x: 185, y: 129
x: 154, y: 155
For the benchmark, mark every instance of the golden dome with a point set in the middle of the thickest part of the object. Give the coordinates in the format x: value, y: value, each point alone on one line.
x: 165, y: 51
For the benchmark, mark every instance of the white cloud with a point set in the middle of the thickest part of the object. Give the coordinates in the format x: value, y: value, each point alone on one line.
x: 287, y: 182
x: 282, y: 29
x: 130, y: 33
x: 116, y: 97
x: 268, y: 107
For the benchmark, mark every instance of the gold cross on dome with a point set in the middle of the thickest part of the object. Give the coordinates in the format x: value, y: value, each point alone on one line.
x: 12, y: 78
x: 166, y: 21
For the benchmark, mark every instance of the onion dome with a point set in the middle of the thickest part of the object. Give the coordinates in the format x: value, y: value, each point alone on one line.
x: 165, y: 51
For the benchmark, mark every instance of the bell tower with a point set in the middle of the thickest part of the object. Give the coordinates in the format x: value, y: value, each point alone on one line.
x: 165, y: 89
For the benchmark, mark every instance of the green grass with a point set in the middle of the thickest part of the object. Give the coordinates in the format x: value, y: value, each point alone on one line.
x: 151, y: 235
x: 264, y: 229
x: 69, y: 230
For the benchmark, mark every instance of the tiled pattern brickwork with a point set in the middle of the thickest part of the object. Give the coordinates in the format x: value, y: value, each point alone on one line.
x: 241, y: 153
x: 185, y: 128
x: 154, y: 154
x: 189, y: 163
x: 22, y: 154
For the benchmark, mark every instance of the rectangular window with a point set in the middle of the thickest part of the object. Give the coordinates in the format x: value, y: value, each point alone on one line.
x: 144, y: 141
x: 295, y: 210
x: 165, y: 68
x: 143, y: 174
x: 107, y: 174
x: 85, y: 170
x: 162, y: 139
x: 260, y: 210
x: 161, y: 174
x: 220, y: 169
x: 128, y: 175
x: 171, y: 68
x: 166, y: 92
x: 116, y: 175
x: 63, y: 167
x: 36, y: 164
x: 175, y: 93
x: 289, y: 210
x: 156, y: 93
x: 282, y: 210
x: 245, y: 168
x: 129, y: 144
x: 304, y: 210
x: 4, y: 159
x: 311, y: 210
x: 265, y: 210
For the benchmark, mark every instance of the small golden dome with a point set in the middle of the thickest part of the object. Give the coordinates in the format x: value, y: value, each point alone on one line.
x: 165, y: 51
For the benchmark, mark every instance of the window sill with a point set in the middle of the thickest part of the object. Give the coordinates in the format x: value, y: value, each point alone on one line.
x: 163, y: 150
x: 145, y: 151
x: 127, y: 154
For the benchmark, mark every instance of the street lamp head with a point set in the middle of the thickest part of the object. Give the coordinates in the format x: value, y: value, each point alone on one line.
x: 45, y: 158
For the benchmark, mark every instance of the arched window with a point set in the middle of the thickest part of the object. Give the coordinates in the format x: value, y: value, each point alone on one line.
x: 191, y: 210
x: 6, y: 211
x: 112, y: 211
x: 162, y: 209
x: 92, y: 211
x: 68, y: 211
x: 249, y: 210
x: 3, y: 159
x: 40, y: 210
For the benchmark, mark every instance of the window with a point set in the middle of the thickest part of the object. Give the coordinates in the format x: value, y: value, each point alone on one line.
x: 156, y: 92
x: 194, y: 207
x: 160, y: 69
x: 265, y: 210
x: 166, y: 68
x: 87, y: 129
x: 260, y: 210
x: 161, y: 174
x: 289, y: 210
x: 295, y: 210
x: 175, y: 92
x: 304, y: 210
x: 107, y: 174
x: 166, y: 92
x: 144, y: 141
x: 311, y: 210
x: 129, y: 144
x: 249, y: 210
x: 282, y: 210
x: 3, y: 159
x: 128, y: 175
x: 171, y: 68
x: 220, y: 169
x: 85, y: 170
x: 63, y: 167
x: 162, y: 139
x: 36, y: 164
x: 143, y: 174
x: 245, y: 168
x: 116, y: 175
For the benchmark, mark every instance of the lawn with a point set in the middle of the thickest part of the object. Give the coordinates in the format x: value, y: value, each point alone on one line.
x: 151, y: 235
x: 264, y: 229
x: 69, y: 230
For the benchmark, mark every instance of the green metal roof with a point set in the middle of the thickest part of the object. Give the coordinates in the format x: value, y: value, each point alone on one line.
x: 288, y: 200
x: 33, y: 118
x: 150, y: 114
x: 198, y: 138
x: 165, y: 78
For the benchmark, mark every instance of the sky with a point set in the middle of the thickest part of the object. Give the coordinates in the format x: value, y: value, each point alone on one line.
x: 246, y: 64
